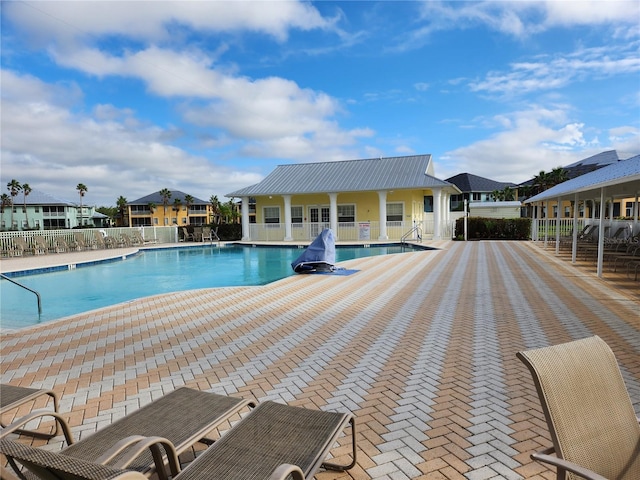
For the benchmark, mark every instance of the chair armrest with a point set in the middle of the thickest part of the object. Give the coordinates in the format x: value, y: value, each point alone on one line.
x: 136, y: 444
x: 17, y: 425
x: 284, y: 470
x: 566, y: 465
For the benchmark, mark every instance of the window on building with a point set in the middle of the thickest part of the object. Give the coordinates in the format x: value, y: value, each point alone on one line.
x: 428, y: 203
x: 271, y: 214
x: 476, y: 196
x: 395, y: 212
x: 346, y: 214
x: 629, y: 209
x: 296, y: 215
x: 567, y: 211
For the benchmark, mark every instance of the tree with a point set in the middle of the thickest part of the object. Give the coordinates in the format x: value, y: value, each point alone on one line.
x: 225, y: 212
x: 82, y: 189
x: 14, y: 187
x: 5, y: 202
x: 558, y: 175
x: 26, y: 190
x: 188, y: 200
x: 215, y: 209
x: 165, y: 193
x: 508, y: 194
x: 177, y: 204
x: 121, y: 205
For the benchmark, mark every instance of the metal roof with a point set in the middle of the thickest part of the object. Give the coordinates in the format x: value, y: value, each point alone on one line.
x: 467, y: 182
x: 372, y: 174
x: 157, y: 199
x: 37, y: 197
x: 621, y: 179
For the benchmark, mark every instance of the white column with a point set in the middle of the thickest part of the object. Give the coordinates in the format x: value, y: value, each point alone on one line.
x: 333, y: 213
x: 287, y: 218
x: 601, y: 234
x: 246, y: 234
x: 574, y: 240
x: 558, y: 227
x: 636, y: 207
x: 382, y: 198
x: 437, y: 196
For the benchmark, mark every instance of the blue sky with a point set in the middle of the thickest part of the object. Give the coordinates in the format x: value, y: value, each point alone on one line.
x: 208, y: 97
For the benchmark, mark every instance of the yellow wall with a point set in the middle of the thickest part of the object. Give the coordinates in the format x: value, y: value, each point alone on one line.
x: 367, y: 206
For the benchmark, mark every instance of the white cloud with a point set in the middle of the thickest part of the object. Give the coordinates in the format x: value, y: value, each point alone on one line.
x: 53, y: 149
x: 69, y: 22
x: 534, y: 139
x: 555, y: 72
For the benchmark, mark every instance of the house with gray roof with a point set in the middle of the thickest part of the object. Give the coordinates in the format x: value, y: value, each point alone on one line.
x: 365, y: 199
x: 41, y: 211
x: 475, y: 189
x: 176, y: 208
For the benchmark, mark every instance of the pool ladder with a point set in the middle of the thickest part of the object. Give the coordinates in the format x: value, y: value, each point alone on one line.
x: 416, y: 229
x: 26, y: 288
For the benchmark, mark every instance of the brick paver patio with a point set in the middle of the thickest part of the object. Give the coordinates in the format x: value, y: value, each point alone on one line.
x: 420, y: 346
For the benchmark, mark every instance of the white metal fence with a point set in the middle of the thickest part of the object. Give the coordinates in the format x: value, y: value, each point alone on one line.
x: 50, y: 238
x: 347, y: 231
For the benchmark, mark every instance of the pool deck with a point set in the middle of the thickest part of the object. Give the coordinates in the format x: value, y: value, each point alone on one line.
x: 420, y: 346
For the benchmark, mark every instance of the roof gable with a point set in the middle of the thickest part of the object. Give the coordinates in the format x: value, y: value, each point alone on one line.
x: 37, y: 197
x: 347, y: 176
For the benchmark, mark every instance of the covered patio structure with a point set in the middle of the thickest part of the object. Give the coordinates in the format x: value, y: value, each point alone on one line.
x: 617, y: 181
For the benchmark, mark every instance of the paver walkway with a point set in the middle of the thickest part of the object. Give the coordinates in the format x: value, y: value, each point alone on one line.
x: 420, y: 346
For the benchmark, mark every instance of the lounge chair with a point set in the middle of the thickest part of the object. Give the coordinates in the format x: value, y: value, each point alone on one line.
x: 209, y: 234
x: 79, y: 243
x: 186, y: 235
x: 59, y: 245
x: 22, y: 244
x: 197, y: 234
x: 12, y: 397
x: 12, y: 249
x: 273, y: 442
x: 138, y: 238
x: 40, y: 245
x: 593, y: 426
x: 99, y: 239
x: 183, y: 417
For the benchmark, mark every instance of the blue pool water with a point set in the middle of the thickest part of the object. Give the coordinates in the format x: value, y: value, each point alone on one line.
x: 151, y: 272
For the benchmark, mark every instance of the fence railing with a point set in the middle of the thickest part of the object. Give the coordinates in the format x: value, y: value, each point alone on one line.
x: 347, y: 231
x: 48, y: 241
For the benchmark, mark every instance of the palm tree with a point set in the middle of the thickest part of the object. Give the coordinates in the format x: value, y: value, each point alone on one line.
x: 215, y: 208
x: 508, y: 194
x: 541, y: 182
x: 558, y: 175
x: 188, y: 200
x: 177, y: 204
x: 14, y: 187
x: 5, y: 202
x: 82, y: 189
x: 225, y: 212
x: 121, y: 203
x: 26, y: 190
x: 152, y: 208
x: 165, y: 193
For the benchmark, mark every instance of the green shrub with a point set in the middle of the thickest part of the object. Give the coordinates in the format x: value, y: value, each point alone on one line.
x: 495, y: 228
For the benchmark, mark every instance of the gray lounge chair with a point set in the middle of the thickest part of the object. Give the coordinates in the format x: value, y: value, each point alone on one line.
x: 273, y: 442
x: 593, y: 426
x: 12, y: 397
x: 183, y: 418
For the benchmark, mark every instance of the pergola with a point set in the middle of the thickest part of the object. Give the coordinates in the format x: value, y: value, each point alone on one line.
x: 617, y: 181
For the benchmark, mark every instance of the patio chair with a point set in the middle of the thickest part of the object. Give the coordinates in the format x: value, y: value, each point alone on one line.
x: 98, y: 239
x: 79, y: 242
x: 12, y: 249
x: 593, y: 426
x: 273, y: 442
x: 12, y: 397
x: 40, y: 245
x: 182, y: 418
x: 139, y: 239
x: 186, y: 236
x: 59, y: 245
x: 22, y: 244
x: 209, y: 234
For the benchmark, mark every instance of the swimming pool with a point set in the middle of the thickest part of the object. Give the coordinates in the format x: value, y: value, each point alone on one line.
x: 67, y: 292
